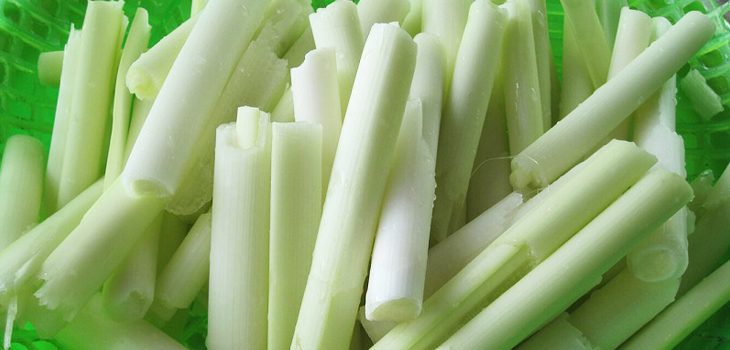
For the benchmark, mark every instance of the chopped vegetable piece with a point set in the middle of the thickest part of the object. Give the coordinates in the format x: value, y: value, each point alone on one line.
x: 381, y: 11
x: 93, y: 330
x: 21, y: 187
x: 464, y: 111
x: 135, y: 45
x: 401, y: 240
x: 239, y: 253
x: 186, y: 273
x: 50, y: 66
x: 146, y: 75
x: 676, y: 322
x: 575, y: 267
x: 316, y: 99
x: 128, y: 293
x: 87, y: 135
x: 705, y: 101
x: 446, y: 20
x: 584, y: 128
x: 78, y: 267
x: 588, y: 33
x: 189, y: 96
x: 523, y: 105
x: 62, y: 120
x: 337, y: 27
x: 296, y: 207
x: 356, y: 190
x: 565, y: 210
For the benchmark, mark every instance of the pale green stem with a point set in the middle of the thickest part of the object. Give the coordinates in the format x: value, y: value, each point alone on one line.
x: 577, y: 85
x: 128, y: 293
x: 258, y: 80
x: 21, y: 187
x: 412, y: 22
x: 296, y: 207
x: 522, y: 88
x: 62, y: 120
x: 147, y: 74
x: 705, y: 101
x: 50, y: 66
x: 135, y: 44
x: 586, y: 126
x: 592, y: 44
x: 465, y: 108
x: 356, y: 190
x: 446, y: 20
x: 185, y: 274
x: 176, y: 121
x: 558, y: 334
x: 398, y: 265
x: 304, y: 44
x: 315, y: 96
x: 239, y: 253
x: 489, y: 182
x: 620, y: 308
x: 576, y: 267
x: 89, y: 121
x: 609, y: 13
x: 338, y: 27
x: 675, y: 323
x: 543, y: 54
x: 21, y: 261
x: 284, y: 110
x: 93, y: 330
x: 91, y: 253
x: 541, y: 231
x: 381, y: 11
x: 633, y: 35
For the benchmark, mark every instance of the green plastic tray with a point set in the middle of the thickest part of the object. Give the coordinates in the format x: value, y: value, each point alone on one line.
x: 29, y: 27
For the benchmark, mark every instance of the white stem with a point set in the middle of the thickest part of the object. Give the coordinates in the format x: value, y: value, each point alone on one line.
x: 576, y: 267
x: 587, y: 126
x: 135, y: 45
x: 182, y: 278
x: 471, y: 86
x: 522, y: 89
x: 296, y: 207
x: 239, y: 254
x: 87, y: 137
x: 93, y: 330
x: 258, y: 80
x: 337, y: 27
x: 381, y: 11
x: 304, y: 44
x: 398, y: 266
x: 356, y: 190
x: 62, y: 120
x: 446, y: 20
x: 189, y: 95
x: 316, y: 99
x: 92, y: 252
x: 146, y: 75
x: 128, y: 293
x: 21, y: 187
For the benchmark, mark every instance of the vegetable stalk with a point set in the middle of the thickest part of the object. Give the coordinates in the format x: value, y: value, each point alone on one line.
x: 465, y: 108
x: 296, y: 207
x: 21, y: 187
x: 356, y: 189
x: 587, y: 125
x: 239, y: 254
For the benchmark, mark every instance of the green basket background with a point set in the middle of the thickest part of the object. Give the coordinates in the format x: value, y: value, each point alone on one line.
x: 29, y: 27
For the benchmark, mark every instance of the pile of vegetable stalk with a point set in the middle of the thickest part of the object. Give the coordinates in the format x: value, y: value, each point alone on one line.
x: 397, y: 174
